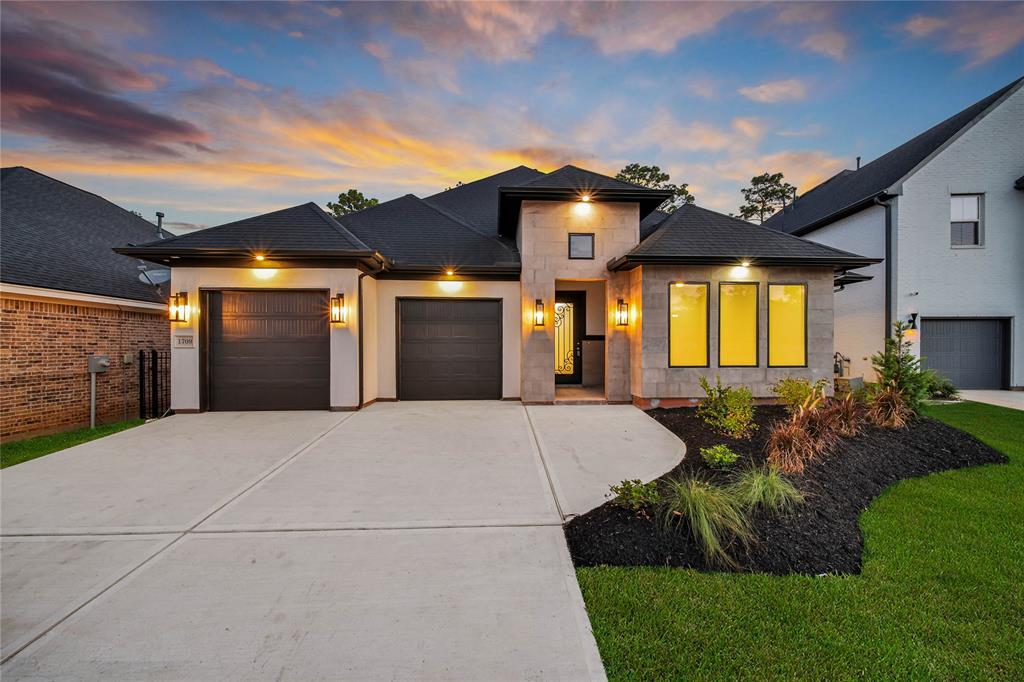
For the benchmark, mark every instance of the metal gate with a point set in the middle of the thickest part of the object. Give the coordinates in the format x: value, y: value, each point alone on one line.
x: 154, y: 383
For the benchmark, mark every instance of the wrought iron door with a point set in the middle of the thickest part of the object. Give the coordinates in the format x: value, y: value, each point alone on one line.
x: 570, y: 320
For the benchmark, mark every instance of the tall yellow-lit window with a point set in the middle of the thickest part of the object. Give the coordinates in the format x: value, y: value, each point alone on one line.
x: 737, y: 324
x: 687, y: 324
x: 787, y: 325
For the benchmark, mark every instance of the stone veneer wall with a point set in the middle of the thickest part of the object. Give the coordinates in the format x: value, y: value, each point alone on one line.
x: 657, y: 380
x: 543, y: 241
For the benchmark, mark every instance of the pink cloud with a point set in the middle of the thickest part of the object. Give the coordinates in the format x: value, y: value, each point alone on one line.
x: 981, y: 31
x: 772, y: 92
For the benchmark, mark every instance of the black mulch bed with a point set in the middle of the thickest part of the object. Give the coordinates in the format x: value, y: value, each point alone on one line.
x: 822, y: 536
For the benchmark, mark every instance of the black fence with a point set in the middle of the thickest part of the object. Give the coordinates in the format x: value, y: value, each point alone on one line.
x: 154, y: 383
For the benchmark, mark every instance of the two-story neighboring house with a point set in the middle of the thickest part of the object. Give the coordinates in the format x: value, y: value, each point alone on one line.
x: 524, y: 285
x: 945, y: 212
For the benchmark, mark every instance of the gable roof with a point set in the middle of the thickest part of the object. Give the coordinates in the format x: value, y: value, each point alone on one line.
x: 412, y: 233
x: 692, y: 234
x: 580, y: 180
x: 849, y: 191
x: 650, y: 223
x: 57, y: 236
x: 477, y: 202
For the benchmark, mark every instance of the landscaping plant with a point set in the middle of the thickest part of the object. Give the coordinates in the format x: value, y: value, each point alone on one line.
x: 714, y: 516
x: 790, y: 446
x: 889, y: 408
x: 899, y: 370
x: 794, y: 392
x: 941, y: 388
x: 636, y: 495
x: 728, y: 410
x: 718, y: 456
x: 846, y: 414
x: 765, y: 487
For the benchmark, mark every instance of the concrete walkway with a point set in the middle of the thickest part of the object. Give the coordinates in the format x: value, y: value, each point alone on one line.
x: 404, y: 541
x: 1012, y: 399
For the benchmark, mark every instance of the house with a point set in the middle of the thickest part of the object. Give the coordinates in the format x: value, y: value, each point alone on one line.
x: 945, y: 214
x: 66, y: 295
x: 524, y: 285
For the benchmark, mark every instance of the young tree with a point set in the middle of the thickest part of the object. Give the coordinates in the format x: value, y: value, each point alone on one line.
x: 655, y: 178
x: 767, y: 193
x: 350, y: 202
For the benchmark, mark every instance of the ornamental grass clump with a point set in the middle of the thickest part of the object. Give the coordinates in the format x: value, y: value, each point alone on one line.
x: 889, y: 408
x: 727, y: 409
x: 810, y: 433
x: 714, y: 517
x: 847, y: 415
x: 766, y: 488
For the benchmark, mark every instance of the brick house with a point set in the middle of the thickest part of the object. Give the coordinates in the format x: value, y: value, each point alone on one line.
x: 541, y: 287
x: 66, y: 295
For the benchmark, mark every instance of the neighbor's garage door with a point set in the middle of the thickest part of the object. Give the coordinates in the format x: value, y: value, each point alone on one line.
x: 268, y: 350
x: 969, y: 352
x: 449, y: 349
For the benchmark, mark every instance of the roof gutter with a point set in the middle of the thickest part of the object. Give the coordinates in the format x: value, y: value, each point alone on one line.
x: 629, y: 262
x: 841, y: 213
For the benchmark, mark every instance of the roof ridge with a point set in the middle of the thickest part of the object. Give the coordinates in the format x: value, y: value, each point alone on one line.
x: 461, y: 222
x: 333, y: 222
x: 486, y: 177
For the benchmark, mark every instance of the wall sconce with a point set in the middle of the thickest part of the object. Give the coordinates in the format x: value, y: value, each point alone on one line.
x: 912, y: 321
x: 178, y: 307
x: 339, y: 313
x: 538, y: 313
x: 621, y: 313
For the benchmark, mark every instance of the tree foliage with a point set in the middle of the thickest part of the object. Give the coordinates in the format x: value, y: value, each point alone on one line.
x: 655, y: 178
x: 350, y: 202
x: 767, y: 193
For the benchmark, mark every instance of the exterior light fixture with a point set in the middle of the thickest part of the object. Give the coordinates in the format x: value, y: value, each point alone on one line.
x: 584, y: 198
x: 449, y: 272
x: 260, y: 257
x: 745, y: 263
x: 178, y: 307
x: 339, y: 313
x: 538, y: 313
x: 621, y: 313
x: 912, y: 321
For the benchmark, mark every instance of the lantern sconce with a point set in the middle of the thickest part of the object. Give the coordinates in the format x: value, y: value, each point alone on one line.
x: 912, y: 321
x: 339, y: 313
x: 178, y: 307
x: 538, y: 313
x: 621, y: 314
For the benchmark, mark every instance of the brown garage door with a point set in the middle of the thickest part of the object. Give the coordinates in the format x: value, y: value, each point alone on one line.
x: 268, y: 350
x: 449, y: 349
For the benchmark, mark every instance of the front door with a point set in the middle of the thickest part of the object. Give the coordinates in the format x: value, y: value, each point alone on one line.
x: 570, y: 320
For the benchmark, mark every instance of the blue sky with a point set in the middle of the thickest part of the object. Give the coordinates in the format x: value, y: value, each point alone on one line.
x: 214, y: 111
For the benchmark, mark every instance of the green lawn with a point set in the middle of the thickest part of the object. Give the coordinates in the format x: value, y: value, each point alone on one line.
x: 941, y: 595
x: 24, y: 450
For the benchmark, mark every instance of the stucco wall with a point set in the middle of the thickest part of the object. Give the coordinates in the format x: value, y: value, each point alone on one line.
x: 344, y: 338
x: 937, y: 280
x: 371, y: 341
x: 658, y: 380
x: 512, y: 315
x: 860, y: 308
x: 542, y: 237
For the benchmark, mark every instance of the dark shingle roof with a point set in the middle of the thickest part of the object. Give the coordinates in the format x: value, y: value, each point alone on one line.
x: 56, y: 236
x: 849, y: 189
x: 411, y: 231
x: 306, y: 227
x: 580, y: 179
x: 695, y: 234
x: 477, y: 202
x: 650, y: 223
x: 1020, y: 183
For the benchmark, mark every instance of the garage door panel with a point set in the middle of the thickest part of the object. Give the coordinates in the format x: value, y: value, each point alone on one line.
x: 969, y: 352
x: 449, y: 349
x: 269, y: 350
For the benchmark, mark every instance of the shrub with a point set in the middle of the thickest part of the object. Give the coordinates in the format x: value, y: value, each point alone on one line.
x: 765, y: 487
x: 728, y: 410
x: 847, y: 415
x: 941, y: 388
x: 713, y: 515
x: 898, y: 370
x: 636, y: 495
x: 718, y: 456
x: 889, y: 408
x: 794, y: 392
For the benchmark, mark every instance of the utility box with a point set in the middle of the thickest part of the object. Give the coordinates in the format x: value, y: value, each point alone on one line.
x: 99, y: 363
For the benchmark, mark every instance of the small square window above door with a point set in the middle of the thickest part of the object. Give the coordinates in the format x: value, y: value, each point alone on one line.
x: 581, y: 246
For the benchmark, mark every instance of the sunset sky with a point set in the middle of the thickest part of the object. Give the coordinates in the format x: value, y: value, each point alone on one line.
x: 211, y: 112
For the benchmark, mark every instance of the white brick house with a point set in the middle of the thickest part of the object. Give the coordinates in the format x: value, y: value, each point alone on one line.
x: 946, y: 213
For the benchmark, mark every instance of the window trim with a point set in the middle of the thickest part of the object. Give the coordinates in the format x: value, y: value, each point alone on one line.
x: 707, y: 323
x: 807, y: 312
x: 757, y: 327
x: 593, y: 246
x: 980, y: 221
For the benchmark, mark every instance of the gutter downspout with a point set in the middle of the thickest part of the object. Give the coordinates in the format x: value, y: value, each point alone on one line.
x: 359, y: 324
x: 887, y: 204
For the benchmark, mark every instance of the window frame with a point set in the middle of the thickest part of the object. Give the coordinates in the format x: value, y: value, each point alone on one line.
x: 980, y: 222
x: 707, y: 323
x: 768, y: 315
x: 593, y: 246
x: 757, y: 323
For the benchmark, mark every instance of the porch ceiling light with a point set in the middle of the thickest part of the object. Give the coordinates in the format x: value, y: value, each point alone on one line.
x: 538, y: 313
x: 339, y: 313
x: 744, y: 263
x: 585, y: 198
x: 178, y: 308
x: 449, y: 272
x: 621, y: 313
x: 260, y: 257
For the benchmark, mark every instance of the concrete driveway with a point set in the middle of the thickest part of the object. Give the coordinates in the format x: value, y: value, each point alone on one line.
x: 404, y: 541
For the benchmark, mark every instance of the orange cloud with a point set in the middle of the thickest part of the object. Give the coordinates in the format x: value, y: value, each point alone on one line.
x: 982, y: 31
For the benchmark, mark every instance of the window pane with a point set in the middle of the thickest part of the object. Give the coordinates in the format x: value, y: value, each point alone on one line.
x: 688, y: 325
x: 956, y: 208
x: 737, y: 327
x: 964, y: 234
x: 970, y: 207
x: 787, y: 319
x: 581, y: 246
